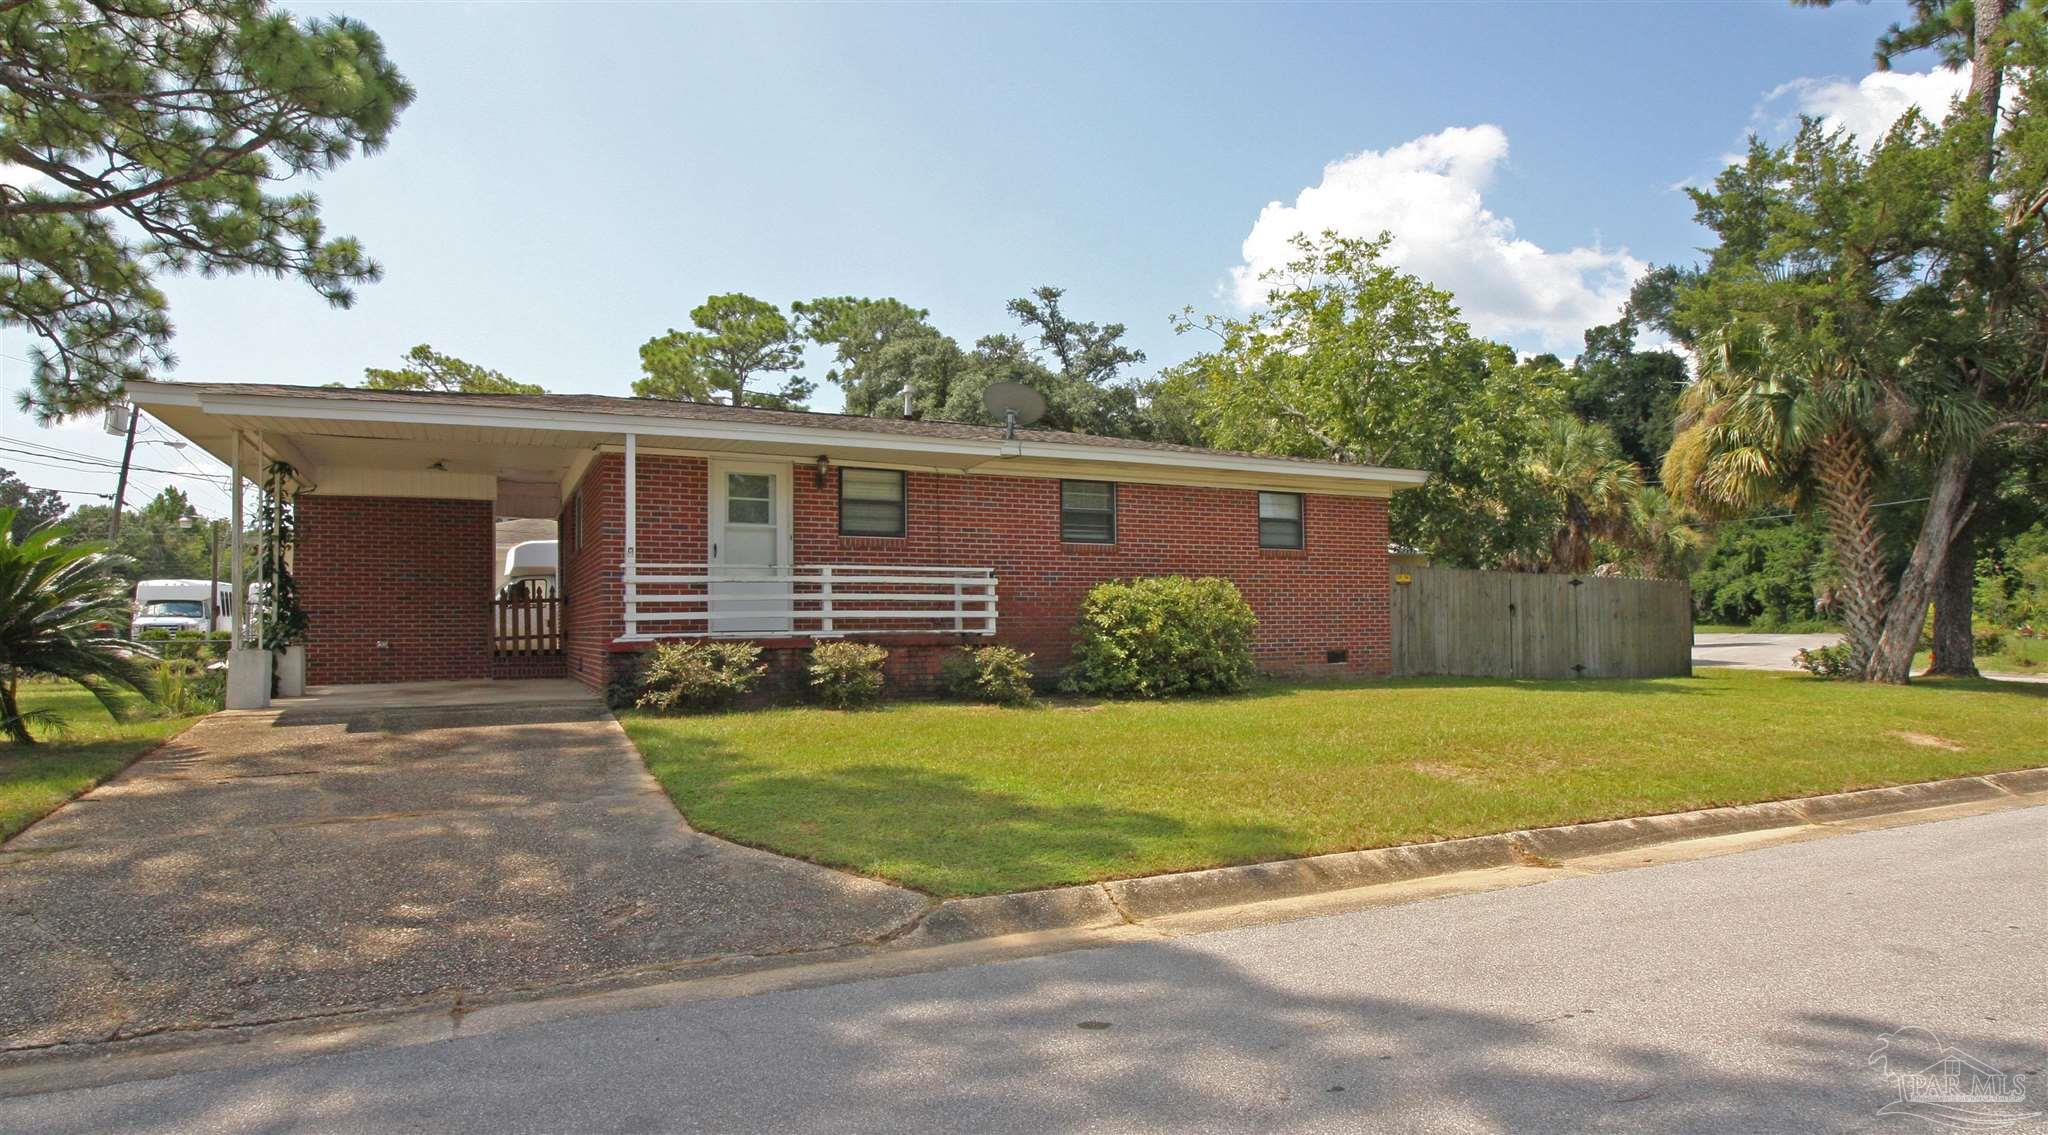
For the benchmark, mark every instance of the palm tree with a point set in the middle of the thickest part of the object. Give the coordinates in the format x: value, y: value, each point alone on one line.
x: 1775, y: 420
x: 53, y: 599
x: 1580, y: 466
x: 1667, y: 538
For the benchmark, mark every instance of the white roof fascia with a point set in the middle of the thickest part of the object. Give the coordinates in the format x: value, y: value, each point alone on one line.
x: 583, y: 421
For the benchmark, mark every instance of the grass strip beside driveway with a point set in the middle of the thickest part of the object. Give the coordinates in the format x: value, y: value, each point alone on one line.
x: 91, y: 746
x: 968, y: 800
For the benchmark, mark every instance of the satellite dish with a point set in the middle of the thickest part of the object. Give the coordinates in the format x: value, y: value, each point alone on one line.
x: 1014, y: 404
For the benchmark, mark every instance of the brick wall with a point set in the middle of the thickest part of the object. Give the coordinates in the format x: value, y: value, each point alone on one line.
x: 412, y: 574
x: 1330, y: 595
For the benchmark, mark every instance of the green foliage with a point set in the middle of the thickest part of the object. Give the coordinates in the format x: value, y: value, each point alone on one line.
x: 739, y: 340
x: 187, y: 688
x: 1830, y: 662
x: 51, y: 597
x: 686, y: 677
x: 165, y: 538
x: 871, y: 341
x: 276, y: 530
x: 1592, y: 487
x: 846, y: 675
x: 1764, y: 573
x: 1987, y: 639
x: 1633, y: 393
x: 1354, y: 360
x: 188, y: 646
x: 159, y: 128
x: 2012, y: 581
x: 428, y: 369
x: 883, y: 347
x: 33, y: 507
x: 998, y: 674
x: 1163, y: 636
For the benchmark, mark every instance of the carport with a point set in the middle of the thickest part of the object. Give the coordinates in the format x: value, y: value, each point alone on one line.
x: 394, y: 556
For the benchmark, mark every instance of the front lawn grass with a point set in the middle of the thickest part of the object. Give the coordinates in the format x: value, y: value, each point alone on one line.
x: 968, y: 800
x: 87, y: 748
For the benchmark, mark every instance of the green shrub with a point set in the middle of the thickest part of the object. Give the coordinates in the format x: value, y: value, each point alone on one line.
x: 845, y: 675
x: 1165, y: 636
x: 998, y: 674
x: 188, y: 687
x: 695, y: 676
x: 1825, y: 661
x: 191, y: 645
x: 1987, y: 639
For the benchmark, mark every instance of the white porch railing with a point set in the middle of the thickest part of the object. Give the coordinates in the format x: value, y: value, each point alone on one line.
x: 814, y: 600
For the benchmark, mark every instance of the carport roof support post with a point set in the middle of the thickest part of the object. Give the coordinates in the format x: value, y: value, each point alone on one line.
x: 632, y: 517
x: 241, y: 604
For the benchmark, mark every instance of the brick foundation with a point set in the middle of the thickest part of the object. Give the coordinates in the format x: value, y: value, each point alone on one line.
x: 1330, y: 596
x: 412, y: 575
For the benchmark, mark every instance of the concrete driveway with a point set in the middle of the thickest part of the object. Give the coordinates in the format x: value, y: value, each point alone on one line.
x: 1755, y: 650
x: 376, y: 846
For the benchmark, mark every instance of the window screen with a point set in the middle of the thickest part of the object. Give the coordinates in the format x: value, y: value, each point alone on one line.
x: 1088, y: 512
x: 871, y: 502
x: 1279, y: 520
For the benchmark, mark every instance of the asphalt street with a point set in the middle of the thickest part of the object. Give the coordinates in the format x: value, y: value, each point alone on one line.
x: 1748, y: 992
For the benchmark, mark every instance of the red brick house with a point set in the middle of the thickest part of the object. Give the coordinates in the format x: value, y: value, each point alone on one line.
x: 685, y: 520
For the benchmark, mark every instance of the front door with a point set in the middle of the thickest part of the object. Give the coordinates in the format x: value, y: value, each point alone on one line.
x: 749, y: 538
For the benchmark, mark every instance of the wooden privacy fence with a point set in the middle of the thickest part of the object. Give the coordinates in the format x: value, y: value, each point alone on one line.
x: 526, y: 624
x: 1501, y: 624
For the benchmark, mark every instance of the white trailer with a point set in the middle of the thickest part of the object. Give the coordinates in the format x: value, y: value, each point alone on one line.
x: 178, y: 605
x: 533, y: 559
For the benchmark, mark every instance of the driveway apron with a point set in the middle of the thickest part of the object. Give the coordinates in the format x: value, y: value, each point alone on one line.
x: 353, y: 852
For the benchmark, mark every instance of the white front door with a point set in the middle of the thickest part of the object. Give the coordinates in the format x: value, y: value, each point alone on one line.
x: 749, y: 534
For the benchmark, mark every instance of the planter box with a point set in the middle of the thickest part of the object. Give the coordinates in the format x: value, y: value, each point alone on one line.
x: 249, y: 676
x: 291, y: 671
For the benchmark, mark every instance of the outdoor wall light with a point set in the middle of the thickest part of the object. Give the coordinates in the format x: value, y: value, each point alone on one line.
x: 821, y: 467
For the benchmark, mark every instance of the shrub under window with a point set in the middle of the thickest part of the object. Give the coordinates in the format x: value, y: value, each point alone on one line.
x: 1280, y: 520
x: 1088, y: 512
x: 1165, y: 636
x: 871, y: 502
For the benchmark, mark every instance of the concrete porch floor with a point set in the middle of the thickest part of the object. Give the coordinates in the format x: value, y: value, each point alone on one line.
x: 438, y: 695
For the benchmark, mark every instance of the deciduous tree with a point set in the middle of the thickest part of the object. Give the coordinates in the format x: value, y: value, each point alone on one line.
x: 1353, y: 360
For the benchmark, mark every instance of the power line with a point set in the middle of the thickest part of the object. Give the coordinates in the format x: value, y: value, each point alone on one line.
x: 1880, y: 504
x: 99, y: 463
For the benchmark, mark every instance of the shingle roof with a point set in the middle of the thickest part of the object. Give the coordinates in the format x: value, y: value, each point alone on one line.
x: 710, y: 411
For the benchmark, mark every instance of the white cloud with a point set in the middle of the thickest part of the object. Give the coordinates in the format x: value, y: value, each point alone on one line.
x: 1429, y: 194
x: 1869, y: 106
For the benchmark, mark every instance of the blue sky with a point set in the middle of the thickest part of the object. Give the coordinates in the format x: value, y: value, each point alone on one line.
x: 574, y: 178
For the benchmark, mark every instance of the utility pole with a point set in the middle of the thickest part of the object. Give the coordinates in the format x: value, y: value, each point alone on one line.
x: 121, y: 485
x: 213, y: 579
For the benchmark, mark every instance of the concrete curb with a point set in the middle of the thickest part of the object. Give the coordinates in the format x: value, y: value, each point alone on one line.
x: 1118, y: 901
x: 1085, y: 907
x: 1155, y: 895
x: 1898, y: 798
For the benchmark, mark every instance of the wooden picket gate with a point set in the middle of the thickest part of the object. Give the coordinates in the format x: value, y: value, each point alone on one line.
x: 525, y: 624
x: 1500, y: 624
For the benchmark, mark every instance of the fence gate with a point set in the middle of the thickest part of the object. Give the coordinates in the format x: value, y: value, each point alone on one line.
x: 1502, y: 624
x: 526, y: 633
